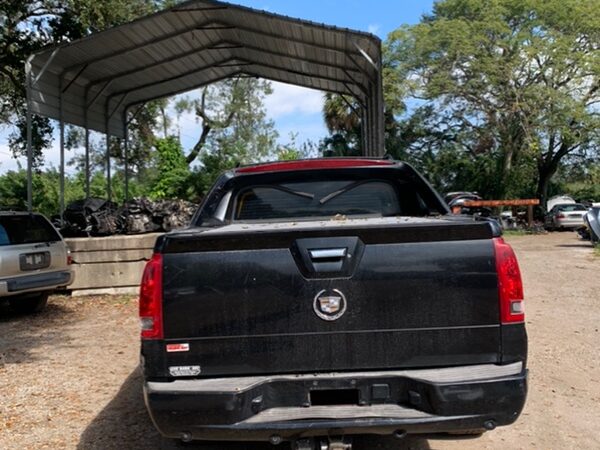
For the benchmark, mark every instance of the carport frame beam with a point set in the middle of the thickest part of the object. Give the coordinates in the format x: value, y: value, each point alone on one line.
x: 61, y: 125
x: 29, y: 86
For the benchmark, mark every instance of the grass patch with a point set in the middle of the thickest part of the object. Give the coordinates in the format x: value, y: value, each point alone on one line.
x: 597, y: 251
x: 518, y: 232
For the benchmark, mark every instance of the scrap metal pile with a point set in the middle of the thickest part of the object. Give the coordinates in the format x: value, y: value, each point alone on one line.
x: 98, y: 217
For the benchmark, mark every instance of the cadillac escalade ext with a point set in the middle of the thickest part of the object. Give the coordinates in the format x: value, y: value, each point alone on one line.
x: 310, y: 301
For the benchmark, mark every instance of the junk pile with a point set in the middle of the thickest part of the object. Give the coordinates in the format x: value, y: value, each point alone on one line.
x: 98, y: 217
x: 457, y: 199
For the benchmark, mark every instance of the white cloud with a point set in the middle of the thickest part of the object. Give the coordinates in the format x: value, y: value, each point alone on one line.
x: 7, y: 162
x: 51, y: 155
x: 374, y: 28
x: 289, y: 100
x: 293, y: 108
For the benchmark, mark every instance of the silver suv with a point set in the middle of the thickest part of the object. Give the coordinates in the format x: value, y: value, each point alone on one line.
x: 34, y: 261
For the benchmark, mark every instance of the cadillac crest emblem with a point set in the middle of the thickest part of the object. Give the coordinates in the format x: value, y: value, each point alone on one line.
x: 330, y: 304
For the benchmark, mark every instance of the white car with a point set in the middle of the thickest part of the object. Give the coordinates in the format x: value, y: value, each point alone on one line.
x: 565, y: 216
x: 34, y: 261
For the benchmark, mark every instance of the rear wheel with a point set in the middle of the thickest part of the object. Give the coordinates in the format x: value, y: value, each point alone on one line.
x: 29, y: 304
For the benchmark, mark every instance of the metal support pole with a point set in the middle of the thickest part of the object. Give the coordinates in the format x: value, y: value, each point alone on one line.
x: 87, y: 153
x: 370, y: 124
x: 363, y: 130
x: 29, y: 149
x: 62, y: 153
x: 108, y: 181
x: 126, y: 155
x: 373, y: 124
x: 380, y: 126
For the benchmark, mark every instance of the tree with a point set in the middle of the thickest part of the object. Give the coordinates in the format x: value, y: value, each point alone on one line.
x: 23, y: 26
x: 27, y: 26
x: 234, y: 128
x: 173, y: 172
x: 342, y: 118
x: 294, y: 150
x: 342, y: 114
x: 511, y: 81
x: 233, y: 118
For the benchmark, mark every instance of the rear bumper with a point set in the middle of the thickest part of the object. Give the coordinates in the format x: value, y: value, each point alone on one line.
x: 414, y: 401
x: 570, y: 222
x: 46, y: 281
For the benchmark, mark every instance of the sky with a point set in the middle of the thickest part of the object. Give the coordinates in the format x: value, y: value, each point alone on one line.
x: 293, y: 109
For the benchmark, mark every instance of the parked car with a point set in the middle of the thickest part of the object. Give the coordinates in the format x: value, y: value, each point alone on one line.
x: 565, y: 216
x: 310, y: 301
x: 591, y: 229
x: 34, y: 261
x: 559, y: 200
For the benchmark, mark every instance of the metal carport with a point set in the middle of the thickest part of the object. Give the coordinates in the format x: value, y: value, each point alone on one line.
x: 98, y: 82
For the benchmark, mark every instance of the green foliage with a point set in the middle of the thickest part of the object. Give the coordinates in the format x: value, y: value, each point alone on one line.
x: 28, y: 25
x: 343, y: 122
x: 235, y: 128
x: 13, y: 191
x: 293, y: 150
x: 213, y: 165
x: 582, y: 191
x: 46, y: 186
x: 511, y: 86
x: 234, y: 119
x: 172, y: 170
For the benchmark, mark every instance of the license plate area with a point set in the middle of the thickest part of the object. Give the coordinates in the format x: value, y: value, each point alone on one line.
x: 329, y: 397
x: 34, y: 261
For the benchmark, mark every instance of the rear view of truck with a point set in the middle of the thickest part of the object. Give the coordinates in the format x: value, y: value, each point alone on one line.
x: 314, y: 300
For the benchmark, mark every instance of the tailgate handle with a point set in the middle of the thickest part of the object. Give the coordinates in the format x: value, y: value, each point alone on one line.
x: 327, y: 259
x: 328, y: 253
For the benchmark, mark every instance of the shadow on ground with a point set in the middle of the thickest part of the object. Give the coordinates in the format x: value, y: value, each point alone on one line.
x: 22, y: 334
x: 581, y: 245
x: 124, y: 424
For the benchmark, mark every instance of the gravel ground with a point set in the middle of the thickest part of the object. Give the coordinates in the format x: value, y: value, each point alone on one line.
x: 69, y: 377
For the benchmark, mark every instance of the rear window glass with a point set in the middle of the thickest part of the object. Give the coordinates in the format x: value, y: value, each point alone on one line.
x: 317, y: 199
x: 572, y: 208
x: 25, y: 229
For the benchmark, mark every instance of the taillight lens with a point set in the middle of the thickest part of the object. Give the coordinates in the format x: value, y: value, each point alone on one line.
x: 69, y: 258
x: 151, y: 299
x: 510, y: 284
x: 560, y: 216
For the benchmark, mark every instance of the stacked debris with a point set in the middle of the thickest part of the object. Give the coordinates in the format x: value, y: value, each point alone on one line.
x: 98, y: 217
x: 91, y: 217
x: 146, y: 216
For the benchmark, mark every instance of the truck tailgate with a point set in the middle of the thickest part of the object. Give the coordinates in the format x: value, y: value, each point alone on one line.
x: 416, y: 293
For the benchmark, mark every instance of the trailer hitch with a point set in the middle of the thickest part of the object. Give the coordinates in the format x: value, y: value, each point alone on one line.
x: 329, y: 443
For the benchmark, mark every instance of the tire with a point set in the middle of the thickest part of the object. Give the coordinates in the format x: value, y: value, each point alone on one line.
x: 29, y: 304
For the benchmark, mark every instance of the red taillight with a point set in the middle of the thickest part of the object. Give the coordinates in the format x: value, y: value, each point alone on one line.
x: 151, y: 299
x: 560, y: 216
x: 510, y: 285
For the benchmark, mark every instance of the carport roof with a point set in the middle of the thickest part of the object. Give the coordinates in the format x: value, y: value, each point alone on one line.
x: 191, y: 45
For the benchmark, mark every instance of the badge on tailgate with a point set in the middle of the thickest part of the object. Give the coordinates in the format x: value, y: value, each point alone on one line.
x: 34, y: 261
x: 330, y: 304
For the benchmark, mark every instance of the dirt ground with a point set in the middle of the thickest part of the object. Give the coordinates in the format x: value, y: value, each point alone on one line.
x: 69, y: 377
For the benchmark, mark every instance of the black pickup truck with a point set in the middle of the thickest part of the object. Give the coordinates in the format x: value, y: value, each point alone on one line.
x: 314, y: 300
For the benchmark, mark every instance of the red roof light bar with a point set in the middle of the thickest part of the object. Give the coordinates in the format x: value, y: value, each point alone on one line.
x: 312, y: 164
